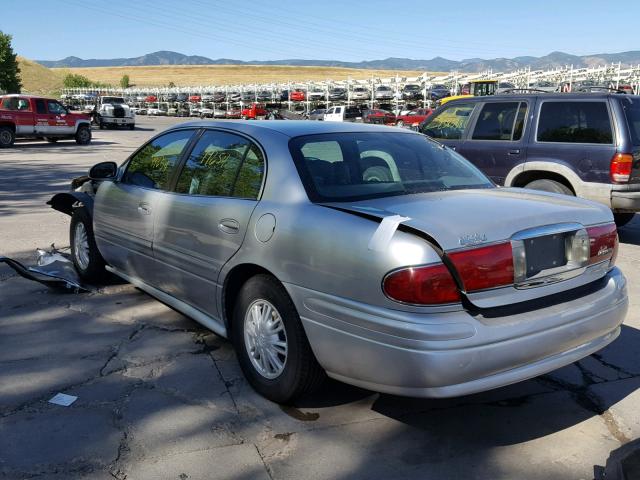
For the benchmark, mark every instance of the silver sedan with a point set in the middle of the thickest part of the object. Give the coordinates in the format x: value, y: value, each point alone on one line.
x: 373, y: 255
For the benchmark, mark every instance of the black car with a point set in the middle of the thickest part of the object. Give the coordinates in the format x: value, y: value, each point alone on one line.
x: 412, y: 92
x: 438, y: 92
x: 284, y: 95
x: 182, y: 97
x: 338, y: 93
x: 581, y: 144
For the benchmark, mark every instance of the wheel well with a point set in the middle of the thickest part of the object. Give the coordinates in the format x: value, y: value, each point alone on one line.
x: 526, y: 177
x: 234, y: 281
x: 10, y: 125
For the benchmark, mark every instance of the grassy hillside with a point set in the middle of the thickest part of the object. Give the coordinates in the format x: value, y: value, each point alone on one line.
x: 193, y: 75
x: 38, y: 79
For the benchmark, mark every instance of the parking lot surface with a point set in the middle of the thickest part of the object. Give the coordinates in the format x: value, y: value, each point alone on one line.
x: 161, y: 397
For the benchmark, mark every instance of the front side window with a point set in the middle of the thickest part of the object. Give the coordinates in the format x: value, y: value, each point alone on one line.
x: 154, y: 164
x: 222, y: 164
x: 574, y: 122
x: 353, y: 166
x: 55, y: 108
x: 450, y: 123
x: 500, y: 121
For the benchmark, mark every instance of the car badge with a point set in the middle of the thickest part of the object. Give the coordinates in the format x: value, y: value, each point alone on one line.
x: 472, y: 239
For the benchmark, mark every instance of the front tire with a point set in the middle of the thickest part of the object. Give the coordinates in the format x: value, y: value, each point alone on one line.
x: 84, y: 251
x: 552, y: 186
x: 272, y: 347
x: 83, y: 135
x: 7, y: 137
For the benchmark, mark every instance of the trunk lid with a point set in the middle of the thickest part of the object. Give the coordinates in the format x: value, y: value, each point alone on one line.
x: 468, y: 218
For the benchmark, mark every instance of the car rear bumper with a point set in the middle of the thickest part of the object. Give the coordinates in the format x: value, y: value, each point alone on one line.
x: 455, y: 353
x: 626, y: 198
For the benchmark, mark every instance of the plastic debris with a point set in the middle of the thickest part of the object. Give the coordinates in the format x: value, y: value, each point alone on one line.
x: 63, y: 399
x: 54, y: 269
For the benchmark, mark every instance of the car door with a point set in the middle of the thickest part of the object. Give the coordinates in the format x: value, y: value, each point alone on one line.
x: 58, y: 122
x: 124, y: 210
x: 448, y: 126
x: 496, y: 142
x: 202, y: 224
x: 41, y: 117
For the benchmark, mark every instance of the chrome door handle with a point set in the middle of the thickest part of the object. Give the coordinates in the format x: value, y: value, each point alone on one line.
x: 514, y: 152
x: 229, y: 225
x: 144, y: 208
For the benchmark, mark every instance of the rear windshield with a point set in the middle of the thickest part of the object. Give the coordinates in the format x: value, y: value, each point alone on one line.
x: 356, y: 166
x: 632, y: 112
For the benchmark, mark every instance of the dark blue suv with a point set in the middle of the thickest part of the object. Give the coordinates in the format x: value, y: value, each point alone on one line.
x: 586, y: 145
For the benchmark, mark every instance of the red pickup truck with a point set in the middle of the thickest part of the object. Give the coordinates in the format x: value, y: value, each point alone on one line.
x: 256, y: 110
x: 26, y: 116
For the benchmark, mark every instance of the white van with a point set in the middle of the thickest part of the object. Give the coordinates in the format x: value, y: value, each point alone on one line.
x: 342, y: 113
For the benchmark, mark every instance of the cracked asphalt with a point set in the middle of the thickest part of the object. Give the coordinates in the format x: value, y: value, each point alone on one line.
x: 160, y: 397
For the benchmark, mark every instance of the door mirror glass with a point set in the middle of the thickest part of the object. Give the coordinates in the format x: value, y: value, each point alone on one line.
x: 103, y: 171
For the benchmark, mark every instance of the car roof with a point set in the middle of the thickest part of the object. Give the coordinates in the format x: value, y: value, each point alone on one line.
x: 293, y: 128
x: 553, y: 96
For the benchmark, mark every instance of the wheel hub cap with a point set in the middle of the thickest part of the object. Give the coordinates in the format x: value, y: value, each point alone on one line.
x: 81, y: 246
x: 265, y: 339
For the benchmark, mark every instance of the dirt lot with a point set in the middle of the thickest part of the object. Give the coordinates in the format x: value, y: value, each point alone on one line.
x: 159, y: 397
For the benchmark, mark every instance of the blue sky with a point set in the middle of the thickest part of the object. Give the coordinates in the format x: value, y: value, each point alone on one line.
x: 329, y: 29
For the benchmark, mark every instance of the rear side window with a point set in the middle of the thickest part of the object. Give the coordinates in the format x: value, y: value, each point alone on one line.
x: 450, y: 123
x: 632, y: 113
x: 574, y: 122
x: 15, y: 103
x: 41, y: 107
x: 500, y: 121
x: 222, y: 165
x: 154, y: 164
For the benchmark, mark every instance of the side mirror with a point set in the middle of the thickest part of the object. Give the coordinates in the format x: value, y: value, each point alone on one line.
x: 103, y: 171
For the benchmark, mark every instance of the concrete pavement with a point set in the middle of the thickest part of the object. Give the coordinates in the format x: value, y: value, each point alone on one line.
x: 160, y: 397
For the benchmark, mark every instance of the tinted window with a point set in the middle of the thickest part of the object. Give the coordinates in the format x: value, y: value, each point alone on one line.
x: 499, y: 121
x: 352, y: 166
x: 450, y: 123
x: 15, y: 103
x: 55, y: 108
x: 632, y: 112
x: 218, y: 162
x: 153, y: 165
x: 574, y: 122
x: 40, y: 106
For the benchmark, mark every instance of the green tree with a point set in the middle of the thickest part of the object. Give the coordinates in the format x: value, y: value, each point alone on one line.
x: 9, y: 69
x: 171, y: 85
x: 73, y: 80
x: 124, y: 81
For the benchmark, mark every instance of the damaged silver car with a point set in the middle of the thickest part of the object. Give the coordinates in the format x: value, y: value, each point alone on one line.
x: 370, y: 254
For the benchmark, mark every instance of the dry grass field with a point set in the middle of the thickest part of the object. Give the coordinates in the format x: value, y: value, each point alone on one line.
x: 39, y: 80
x: 194, y: 75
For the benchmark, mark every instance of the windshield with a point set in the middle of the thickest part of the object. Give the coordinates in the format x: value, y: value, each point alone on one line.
x: 342, y: 167
x: 116, y: 100
x: 632, y: 112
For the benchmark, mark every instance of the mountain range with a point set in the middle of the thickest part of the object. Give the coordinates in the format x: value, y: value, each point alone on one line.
x: 437, y: 64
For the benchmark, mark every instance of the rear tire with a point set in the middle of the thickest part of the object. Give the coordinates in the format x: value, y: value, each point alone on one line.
x: 552, y: 186
x: 83, y: 135
x: 300, y: 372
x: 622, y: 219
x: 7, y: 137
x: 84, y: 251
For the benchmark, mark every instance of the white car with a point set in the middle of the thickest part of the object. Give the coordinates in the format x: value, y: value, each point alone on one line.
x: 157, y: 112
x: 360, y: 93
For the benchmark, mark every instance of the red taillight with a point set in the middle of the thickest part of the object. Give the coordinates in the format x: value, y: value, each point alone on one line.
x: 485, y: 267
x: 603, y: 241
x: 620, y: 168
x: 429, y: 285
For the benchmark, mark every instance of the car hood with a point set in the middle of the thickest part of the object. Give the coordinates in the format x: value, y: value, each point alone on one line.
x: 463, y: 217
